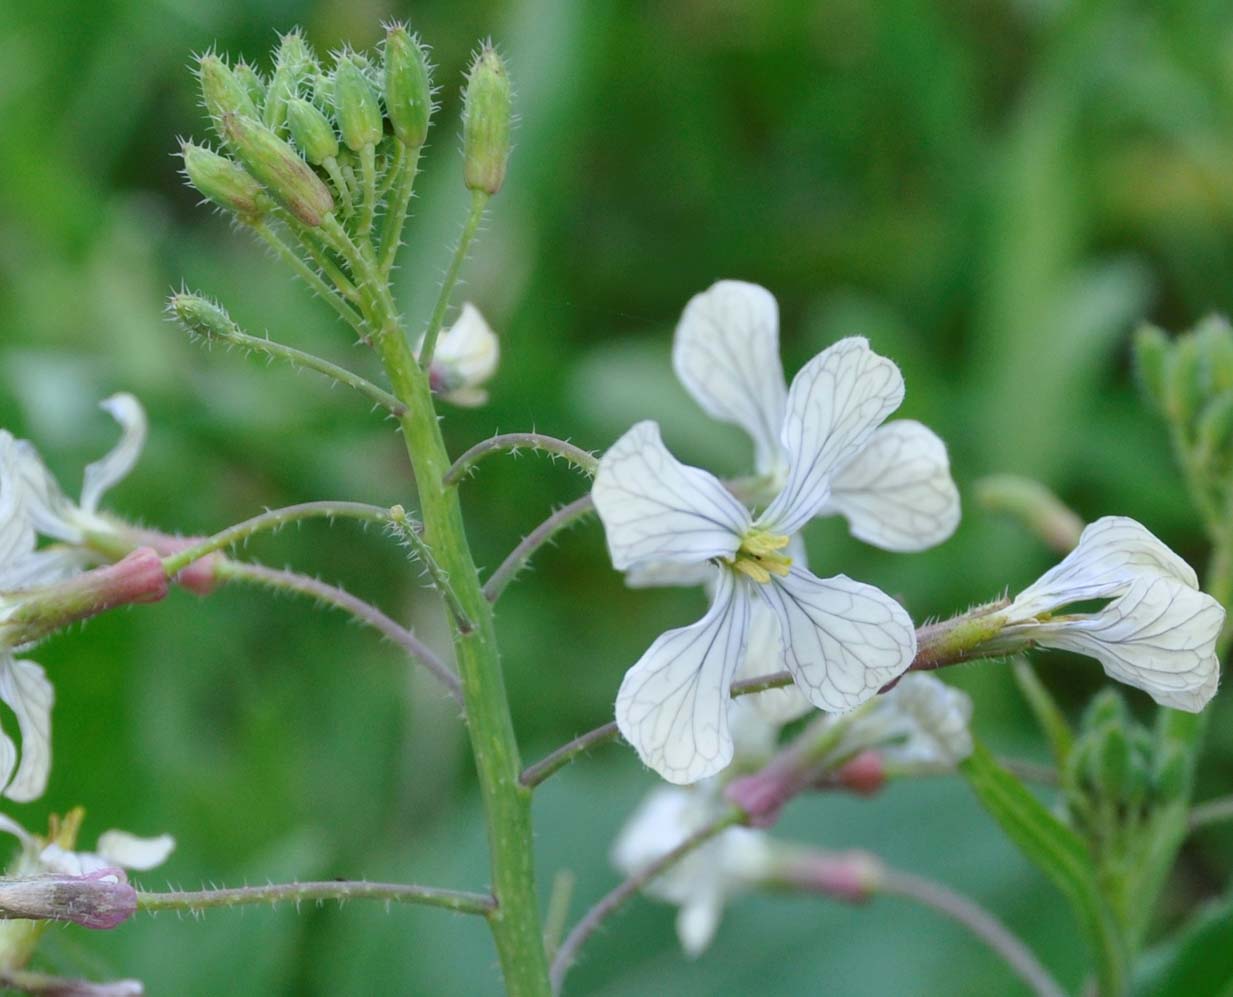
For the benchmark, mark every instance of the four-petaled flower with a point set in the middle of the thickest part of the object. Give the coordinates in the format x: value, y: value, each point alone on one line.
x: 842, y: 640
x: 1156, y: 632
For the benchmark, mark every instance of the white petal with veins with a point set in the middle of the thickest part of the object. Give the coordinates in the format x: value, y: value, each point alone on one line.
x: 842, y: 640
x: 655, y: 508
x: 131, y: 852
x: 726, y: 354
x: 897, y: 493
x: 24, y: 688
x: 113, y: 467
x: 16, y: 531
x: 673, y: 704
x: 835, y: 403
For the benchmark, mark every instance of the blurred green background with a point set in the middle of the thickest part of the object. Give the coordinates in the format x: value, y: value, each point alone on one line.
x: 993, y: 192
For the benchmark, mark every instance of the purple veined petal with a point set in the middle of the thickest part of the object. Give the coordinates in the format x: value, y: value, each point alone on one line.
x: 114, y: 466
x: 842, y: 640
x: 654, y: 508
x: 1112, y: 552
x: 726, y: 354
x: 25, y: 689
x: 897, y: 492
x: 673, y: 704
x: 835, y: 403
x: 1159, y: 636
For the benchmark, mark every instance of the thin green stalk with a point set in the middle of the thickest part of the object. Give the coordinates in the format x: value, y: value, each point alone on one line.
x: 411, y: 534
x: 585, y: 461
x: 297, y: 893
x: 274, y: 519
x: 517, y: 560
x: 479, y: 200
x: 310, y: 361
x: 396, y: 215
x: 368, y: 173
x: 309, y: 276
x: 340, y: 185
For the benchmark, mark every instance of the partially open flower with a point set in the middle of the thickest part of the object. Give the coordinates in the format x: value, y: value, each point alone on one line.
x: 466, y: 356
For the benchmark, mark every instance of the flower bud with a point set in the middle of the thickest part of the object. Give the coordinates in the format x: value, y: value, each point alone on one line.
x: 1171, y: 773
x: 853, y: 876
x: 1151, y: 350
x: 487, y: 111
x: 101, y: 900
x: 200, y: 317
x: 273, y: 162
x: 311, y: 131
x: 295, y: 65
x: 356, y: 106
x: 221, y: 92
x: 1183, y: 382
x: 466, y: 356
x: 408, y: 86
x: 864, y: 775
x: 1113, y: 762
x: 1214, y: 444
x: 223, y: 182
x: 251, y: 81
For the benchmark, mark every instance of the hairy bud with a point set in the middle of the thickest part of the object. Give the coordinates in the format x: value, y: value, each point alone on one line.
x: 408, y: 86
x: 221, y: 92
x: 252, y: 82
x: 200, y: 316
x: 487, y: 113
x: 273, y: 162
x: 295, y: 65
x: 356, y: 106
x: 223, y: 182
x: 102, y: 900
x: 311, y: 131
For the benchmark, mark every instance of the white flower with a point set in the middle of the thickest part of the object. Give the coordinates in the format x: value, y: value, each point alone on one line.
x: 32, y: 503
x: 115, y: 850
x: 1157, y: 631
x: 702, y: 882
x: 842, y: 640
x: 895, y: 491
x: 466, y: 356
x: 920, y: 726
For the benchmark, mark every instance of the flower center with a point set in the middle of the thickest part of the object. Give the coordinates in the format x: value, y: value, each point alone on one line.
x: 759, y: 557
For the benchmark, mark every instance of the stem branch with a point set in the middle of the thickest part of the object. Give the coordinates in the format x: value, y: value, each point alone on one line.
x: 406, y: 893
x: 479, y: 200
x: 581, y: 459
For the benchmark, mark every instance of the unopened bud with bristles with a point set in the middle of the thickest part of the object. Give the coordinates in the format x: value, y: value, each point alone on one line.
x: 252, y: 82
x: 487, y: 111
x: 356, y: 105
x: 408, y: 86
x: 279, y: 168
x: 295, y: 66
x: 221, y: 92
x: 311, y: 131
x: 200, y: 316
x: 224, y: 182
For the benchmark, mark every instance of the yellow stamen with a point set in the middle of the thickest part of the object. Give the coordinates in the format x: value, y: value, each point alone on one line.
x: 753, y: 569
x: 759, y: 557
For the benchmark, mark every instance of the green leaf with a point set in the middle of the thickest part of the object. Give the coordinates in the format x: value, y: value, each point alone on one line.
x: 1197, y: 960
x: 1059, y: 853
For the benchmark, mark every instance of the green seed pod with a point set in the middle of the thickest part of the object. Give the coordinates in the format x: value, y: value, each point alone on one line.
x: 356, y: 105
x: 251, y: 81
x: 408, y: 86
x: 221, y: 92
x: 273, y: 162
x: 311, y: 131
x: 487, y: 112
x: 295, y: 67
x: 1151, y: 352
x: 200, y: 316
x: 224, y: 182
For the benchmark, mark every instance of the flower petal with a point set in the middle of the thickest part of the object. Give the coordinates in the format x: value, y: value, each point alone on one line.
x: 668, y: 574
x: 673, y: 704
x: 43, y: 567
x: 764, y: 656
x: 921, y: 725
x: 655, y: 508
x: 112, y: 468
x: 1158, y: 636
x: 835, y: 403
x: 131, y: 852
x: 897, y: 493
x: 698, y: 920
x: 842, y: 640
x: 726, y: 354
x: 16, y: 532
x: 24, y: 688
x: 1112, y: 552
x: 51, y: 512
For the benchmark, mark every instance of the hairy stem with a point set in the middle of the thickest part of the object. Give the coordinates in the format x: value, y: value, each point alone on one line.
x: 340, y: 890
x: 396, y: 215
x: 581, y: 459
x: 479, y: 201
x: 309, y: 276
x: 517, y: 559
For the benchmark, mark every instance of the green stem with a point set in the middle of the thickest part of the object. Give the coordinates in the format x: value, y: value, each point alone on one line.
x: 274, y: 519
x: 296, y: 893
x: 565, y: 516
x: 368, y: 171
x: 412, y: 533
x: 586, y: 462
x: 479, y: 200
x: 309, y: 276
x: 396, y: 217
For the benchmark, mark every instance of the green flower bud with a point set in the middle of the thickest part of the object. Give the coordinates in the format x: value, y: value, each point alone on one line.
x: 200, y: 316
x: 1170, y: 773
x: 1107, y: 708
x: 221, y: 92
x: 487, y: 111
x: 408, y: 86
x: 251, y: 81
x: 1151, y: 351
x: 273, y: 162
x: 1214, y: 445
x: 1183, y: 382
x: 1215, y: 340
x: 356, y: 106
x: 224, y: 182
x: 295, y: 66
x: 1113, y: 763
x: 311, y: 131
